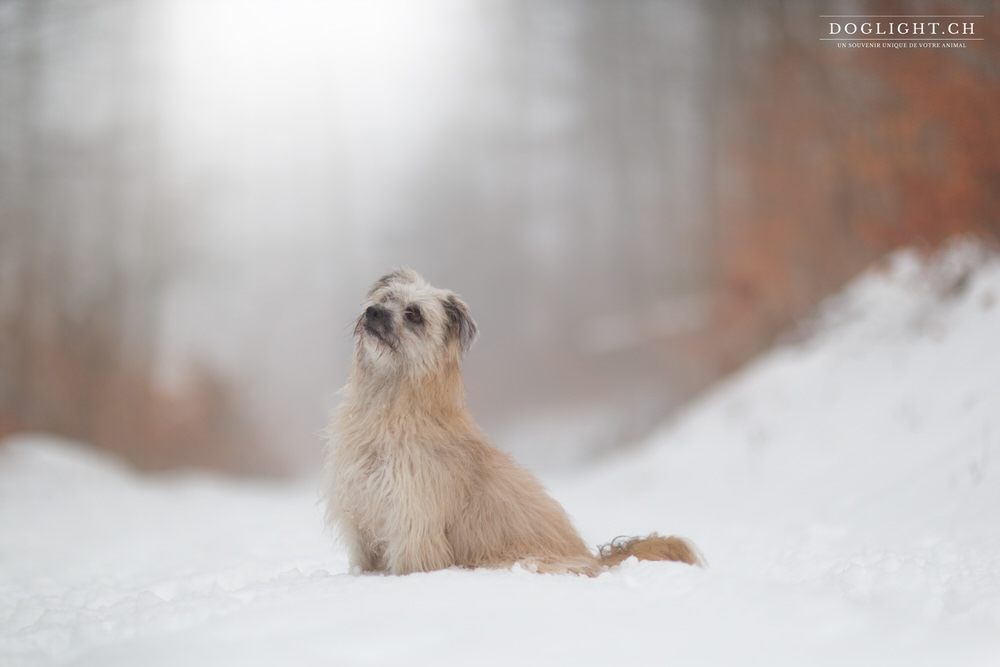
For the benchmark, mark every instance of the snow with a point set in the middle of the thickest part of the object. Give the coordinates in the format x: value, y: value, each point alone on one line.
x: 841, y: 487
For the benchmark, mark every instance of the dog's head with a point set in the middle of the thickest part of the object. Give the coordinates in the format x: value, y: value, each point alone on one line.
x: 407, y: 325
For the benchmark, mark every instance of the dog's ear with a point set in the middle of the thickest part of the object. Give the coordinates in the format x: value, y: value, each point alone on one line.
x: 460, y: 322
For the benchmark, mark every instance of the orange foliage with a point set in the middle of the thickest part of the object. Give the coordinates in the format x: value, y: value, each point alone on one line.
x: 844, y: 154
x: 81, y: 391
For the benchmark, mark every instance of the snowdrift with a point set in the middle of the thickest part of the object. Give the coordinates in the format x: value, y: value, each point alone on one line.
x: 843, y: 489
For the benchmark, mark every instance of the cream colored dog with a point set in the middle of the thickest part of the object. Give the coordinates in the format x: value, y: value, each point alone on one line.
x: 411, y: 481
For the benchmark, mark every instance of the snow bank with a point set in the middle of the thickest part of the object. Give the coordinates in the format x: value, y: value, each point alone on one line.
x: 842, y: 488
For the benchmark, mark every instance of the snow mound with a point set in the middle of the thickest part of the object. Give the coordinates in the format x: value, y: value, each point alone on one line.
x: 842, y: 488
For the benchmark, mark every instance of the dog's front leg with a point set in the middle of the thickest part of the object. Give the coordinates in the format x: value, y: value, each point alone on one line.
x: 420, y: 546
x: 364, y: 552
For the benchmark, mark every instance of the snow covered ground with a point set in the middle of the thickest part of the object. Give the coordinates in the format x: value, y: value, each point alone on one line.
x: 842, y: 488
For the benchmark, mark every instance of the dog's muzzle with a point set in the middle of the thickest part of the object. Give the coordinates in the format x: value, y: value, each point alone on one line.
x: 377, y: 321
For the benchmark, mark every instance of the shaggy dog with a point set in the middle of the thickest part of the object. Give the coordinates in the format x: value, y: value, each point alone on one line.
x: 412, y: 483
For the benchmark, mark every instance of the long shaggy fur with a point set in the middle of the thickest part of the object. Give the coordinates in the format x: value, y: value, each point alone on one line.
x: 412, y: 483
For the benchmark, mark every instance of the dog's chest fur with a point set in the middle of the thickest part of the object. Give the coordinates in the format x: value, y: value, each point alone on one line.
x: 388, y: 481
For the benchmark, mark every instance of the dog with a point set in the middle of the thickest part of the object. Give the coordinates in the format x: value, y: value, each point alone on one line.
x: 412, y: 483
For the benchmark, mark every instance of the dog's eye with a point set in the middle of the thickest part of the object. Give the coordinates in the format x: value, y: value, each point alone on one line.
x: 413, y: 315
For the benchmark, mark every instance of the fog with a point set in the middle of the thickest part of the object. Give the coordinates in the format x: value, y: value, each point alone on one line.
x: 195, y: 195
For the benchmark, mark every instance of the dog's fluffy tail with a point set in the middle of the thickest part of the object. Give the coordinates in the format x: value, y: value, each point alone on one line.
x: 652, y: 547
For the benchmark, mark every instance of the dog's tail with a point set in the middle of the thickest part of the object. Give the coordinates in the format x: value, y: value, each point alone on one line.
x: 652, y: 547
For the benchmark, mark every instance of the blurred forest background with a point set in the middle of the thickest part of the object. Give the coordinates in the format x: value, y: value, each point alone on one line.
x: 634, y: 197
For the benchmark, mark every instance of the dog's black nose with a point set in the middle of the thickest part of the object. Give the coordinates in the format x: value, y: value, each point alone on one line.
x: 375, y: 314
